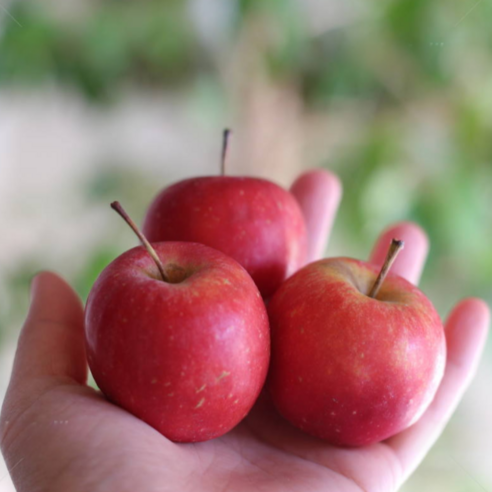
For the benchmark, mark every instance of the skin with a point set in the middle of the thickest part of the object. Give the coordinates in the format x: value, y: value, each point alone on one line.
x: 348, y: 368
x: 189, y: 356
x: 252, y: 220
x: 97, y: 446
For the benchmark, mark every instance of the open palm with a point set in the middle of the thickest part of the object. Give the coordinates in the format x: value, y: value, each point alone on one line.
x: 60, y: 435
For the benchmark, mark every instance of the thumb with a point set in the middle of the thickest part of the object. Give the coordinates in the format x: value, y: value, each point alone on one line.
x: 50, y: 353
x: 51, y: 343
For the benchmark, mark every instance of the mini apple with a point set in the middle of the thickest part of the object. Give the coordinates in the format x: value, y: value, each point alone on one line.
x: 252, y: 220
x: 177, y: 334
x: 354, y: 361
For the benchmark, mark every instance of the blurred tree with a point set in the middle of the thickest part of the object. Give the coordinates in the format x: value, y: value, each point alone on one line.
x: 144, y: 43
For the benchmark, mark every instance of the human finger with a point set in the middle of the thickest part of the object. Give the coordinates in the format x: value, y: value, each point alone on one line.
x: 319, y: 193
x: 410, y: 262
x: 466, y: 332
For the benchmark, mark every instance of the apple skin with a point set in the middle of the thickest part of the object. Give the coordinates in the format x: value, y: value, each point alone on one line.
x: 254, y: 221
x: 189, y: 358
x: 347, y: 368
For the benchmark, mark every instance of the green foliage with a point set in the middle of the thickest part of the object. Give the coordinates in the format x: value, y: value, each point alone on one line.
x: 283, y: 32
x: 335, y: 68
x: 27, y: 52
x: 368, y: 159
x: 120, y: 43
x: 402, y: 19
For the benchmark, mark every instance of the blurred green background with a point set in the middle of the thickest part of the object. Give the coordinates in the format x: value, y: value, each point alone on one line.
x: 117, y: 98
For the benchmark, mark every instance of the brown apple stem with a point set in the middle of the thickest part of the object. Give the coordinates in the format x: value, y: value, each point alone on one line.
x: 225, y: 146
x: 121, y: 211
x: 395, y: 247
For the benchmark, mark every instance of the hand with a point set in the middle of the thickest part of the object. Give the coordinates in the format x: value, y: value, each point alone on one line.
x: 60, y: 435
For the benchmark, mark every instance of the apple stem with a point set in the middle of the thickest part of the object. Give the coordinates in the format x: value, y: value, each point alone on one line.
x: 395, y: 247
x: 121, y: 211
x: 225, y: 145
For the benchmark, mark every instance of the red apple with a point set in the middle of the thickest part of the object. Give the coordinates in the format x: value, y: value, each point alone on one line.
x: 254, y: 221
x: 347, y: 367
x: 189, y: 354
